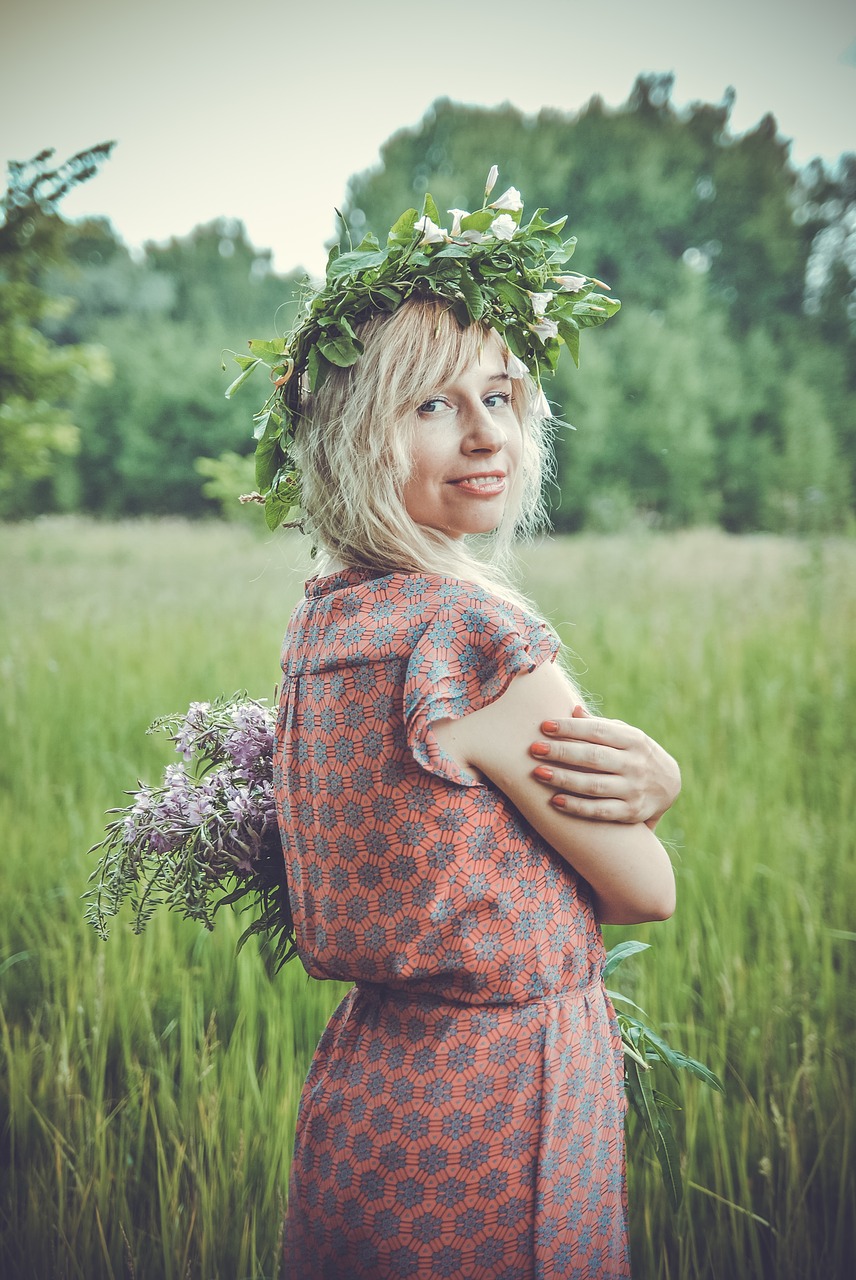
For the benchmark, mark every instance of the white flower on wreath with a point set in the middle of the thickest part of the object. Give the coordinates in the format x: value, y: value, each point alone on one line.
x: 457, y: 216
x: 491, y: 180
x: 431, y: 233
x: 542, y: 405
x: 515, y: 368
x: 503, y: 227
x: 540, y: 302
x: 545, y: 329
x: 510, y: 200
x: 570, y: 284
x: 471, y: 237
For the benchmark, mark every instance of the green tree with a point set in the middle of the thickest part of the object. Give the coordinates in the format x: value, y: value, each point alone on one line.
x: 165, y: 320
x: 684, y: 402
x: 38, y: 377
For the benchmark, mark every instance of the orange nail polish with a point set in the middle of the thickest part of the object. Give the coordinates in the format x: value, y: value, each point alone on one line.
x: 543, y: 773
x: 550, y: 726
x: 558, y: 801
x: 540, y: 748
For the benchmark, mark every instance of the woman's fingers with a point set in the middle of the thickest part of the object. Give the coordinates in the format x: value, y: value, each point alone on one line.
x: 581, y: 754
x: 605, y: 769
x: 597, y: 810
x: 582, y: 727
x: 599, y: 796
x: 598, y: 785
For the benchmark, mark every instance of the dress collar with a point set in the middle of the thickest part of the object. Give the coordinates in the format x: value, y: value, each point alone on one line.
x: 341, y: 580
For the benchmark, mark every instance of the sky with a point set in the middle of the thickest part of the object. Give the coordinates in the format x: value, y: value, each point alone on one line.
x: 262, y: 111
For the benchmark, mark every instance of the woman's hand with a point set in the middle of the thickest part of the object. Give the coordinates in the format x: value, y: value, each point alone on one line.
x: 605, y: 770
x: 625, y: 864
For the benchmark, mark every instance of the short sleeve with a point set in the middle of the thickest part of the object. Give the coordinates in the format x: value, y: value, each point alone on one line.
x: 465, y: 659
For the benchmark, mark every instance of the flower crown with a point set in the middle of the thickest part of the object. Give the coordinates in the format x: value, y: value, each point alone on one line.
x: 487, y: 267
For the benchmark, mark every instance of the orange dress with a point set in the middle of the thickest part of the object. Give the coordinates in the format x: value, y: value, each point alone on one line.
x: 463, y: 1114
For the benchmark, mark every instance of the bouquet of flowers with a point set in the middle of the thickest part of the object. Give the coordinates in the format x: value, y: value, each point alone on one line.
x: 207, y: 835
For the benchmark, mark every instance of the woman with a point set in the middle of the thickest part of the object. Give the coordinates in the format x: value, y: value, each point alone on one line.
x: 463, y: 1114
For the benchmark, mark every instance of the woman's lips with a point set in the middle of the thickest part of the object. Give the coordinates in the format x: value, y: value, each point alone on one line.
x: 482, y: 486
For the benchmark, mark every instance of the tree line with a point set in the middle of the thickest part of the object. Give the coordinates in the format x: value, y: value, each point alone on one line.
x: 723, y: 391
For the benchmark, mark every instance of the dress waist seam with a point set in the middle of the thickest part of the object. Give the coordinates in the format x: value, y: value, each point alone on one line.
x: 400, y: 995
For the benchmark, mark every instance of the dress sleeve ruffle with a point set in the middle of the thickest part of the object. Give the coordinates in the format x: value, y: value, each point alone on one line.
x: 466, y: 659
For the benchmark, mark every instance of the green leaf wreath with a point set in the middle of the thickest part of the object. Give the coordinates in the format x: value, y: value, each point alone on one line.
x: 489, y: 267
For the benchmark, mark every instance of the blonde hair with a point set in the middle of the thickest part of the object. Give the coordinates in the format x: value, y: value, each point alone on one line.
x: 354, y: 449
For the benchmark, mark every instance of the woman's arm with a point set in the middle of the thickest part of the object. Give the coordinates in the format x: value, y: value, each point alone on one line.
x: 625, y: 864
x: 605, y: 769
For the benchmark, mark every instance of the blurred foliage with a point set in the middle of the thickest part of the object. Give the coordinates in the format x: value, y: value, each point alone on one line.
x: 723, y: 392
x: 38, y: 376
x: 165, y: 318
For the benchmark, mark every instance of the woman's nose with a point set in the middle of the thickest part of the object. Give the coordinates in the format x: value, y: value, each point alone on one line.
x: 484, y: 433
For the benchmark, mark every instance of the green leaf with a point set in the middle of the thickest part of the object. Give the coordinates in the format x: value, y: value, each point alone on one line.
x: 616, y: 995
x: 271, y: 352
x: 453, y: 251
x: 698, y: 1069
x: 620, y: 952
x: 641, y: 1096
x: 268, y: 423
x: 479, y: 221
x: 317, y: 368
x: 461, y: 312
x: 513, y: 296
x: 356, y: 260
x: 403, y: 227
x: 429, y: 209
x: 594, y: 310
x: 243, y: 361
x: 242, y: 378
x: 518, y: 343
x: 473, y: 296
x: 537, y: 223
x: 570, y: 334
x: 342, y: 351
x: 663, y: 1100
x: 281, y: 499
x: 386, y: 297
x: 670, y: 1165
x: 269, y: 459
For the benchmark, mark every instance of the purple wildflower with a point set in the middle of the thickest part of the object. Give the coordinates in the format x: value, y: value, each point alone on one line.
x: 208, y: 831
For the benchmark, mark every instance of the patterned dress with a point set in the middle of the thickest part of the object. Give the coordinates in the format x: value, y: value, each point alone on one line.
x: 463, y: 1115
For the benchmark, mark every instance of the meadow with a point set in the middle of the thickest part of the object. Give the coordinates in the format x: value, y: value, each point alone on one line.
x: 149, y: 1085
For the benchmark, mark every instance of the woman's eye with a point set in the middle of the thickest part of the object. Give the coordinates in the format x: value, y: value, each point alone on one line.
x: 497, y: 399
x: 431, y: 406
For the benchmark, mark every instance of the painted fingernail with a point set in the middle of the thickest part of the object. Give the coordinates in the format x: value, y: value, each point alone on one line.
x: 549, y: 726
x: 543, y: 773
x: 540, y: 748
x: 558, y: 801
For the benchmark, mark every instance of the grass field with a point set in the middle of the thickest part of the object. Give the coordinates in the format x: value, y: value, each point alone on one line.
x: 149, y: 1085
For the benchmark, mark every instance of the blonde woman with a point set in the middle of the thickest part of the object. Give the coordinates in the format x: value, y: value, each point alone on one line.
x: 463, y: 1114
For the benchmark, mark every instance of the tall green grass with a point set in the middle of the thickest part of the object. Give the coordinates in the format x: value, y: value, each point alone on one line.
x: 149, y: 1085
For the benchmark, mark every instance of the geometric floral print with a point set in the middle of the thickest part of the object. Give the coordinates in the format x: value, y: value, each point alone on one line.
x: 463, y: 1114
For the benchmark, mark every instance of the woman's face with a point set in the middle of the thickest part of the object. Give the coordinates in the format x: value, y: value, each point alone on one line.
x: 467, y: 446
